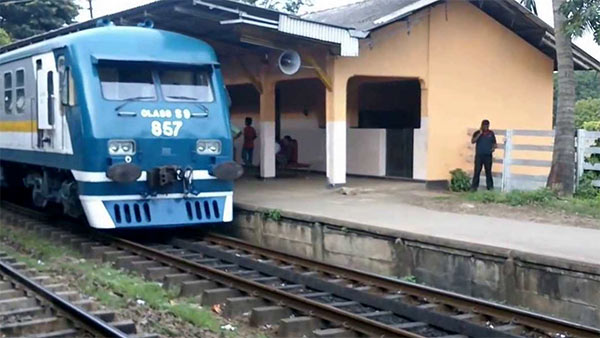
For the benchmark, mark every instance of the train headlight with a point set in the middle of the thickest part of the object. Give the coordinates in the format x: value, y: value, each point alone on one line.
x: 121, y: 147
x: 208, y: 147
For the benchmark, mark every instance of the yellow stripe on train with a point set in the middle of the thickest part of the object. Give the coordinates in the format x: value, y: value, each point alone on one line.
x: 28, y: 126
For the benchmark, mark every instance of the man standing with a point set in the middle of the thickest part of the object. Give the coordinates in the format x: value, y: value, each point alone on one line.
x: 248, y: 147
x: 485, y: 141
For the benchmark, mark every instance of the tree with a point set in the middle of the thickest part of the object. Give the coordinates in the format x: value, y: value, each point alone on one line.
x: 4, y: 37
x: 562, y: 172
x: 290, y: 6
x: 24, y: 18
x: 530, y: 5
x: 571, y: 18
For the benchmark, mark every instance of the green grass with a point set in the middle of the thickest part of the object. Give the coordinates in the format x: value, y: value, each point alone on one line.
x: 543, y: 198
x: 111, y: 287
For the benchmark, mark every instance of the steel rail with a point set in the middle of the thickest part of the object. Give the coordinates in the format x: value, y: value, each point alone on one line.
x: 313, y: 308
x: 90, y: 322
x: 514, y: 315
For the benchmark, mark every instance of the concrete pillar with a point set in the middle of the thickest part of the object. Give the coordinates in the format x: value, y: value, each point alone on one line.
x: 335, y: 113
x: 421, y: 138
x: 267, y: 129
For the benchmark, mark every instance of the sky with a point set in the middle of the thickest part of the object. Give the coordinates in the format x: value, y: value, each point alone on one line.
x: 103, y: 7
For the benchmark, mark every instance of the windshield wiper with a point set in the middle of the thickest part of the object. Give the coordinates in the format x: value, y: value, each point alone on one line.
x: 204, y: 108
x: 176, y: 97
x: 131, y: 99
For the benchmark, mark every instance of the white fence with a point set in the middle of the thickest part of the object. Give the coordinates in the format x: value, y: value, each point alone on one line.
x: 588, y: 144
x: 533, y: 157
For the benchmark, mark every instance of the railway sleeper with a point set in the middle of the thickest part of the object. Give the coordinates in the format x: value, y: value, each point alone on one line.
x: 34, y: 326
x: 11, y: 294
x: 13, y: 304
x: 334, y: 333
x: 157, y: 273
x: 34, y: 311
x: 260, y: 316
x: 195, y: 287
x: 240, y: 306
x: 218, y: 296
x: 174, y: 280
x: 298, y: 326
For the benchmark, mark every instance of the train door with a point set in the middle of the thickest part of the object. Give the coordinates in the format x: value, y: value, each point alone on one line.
x: 49, y: 124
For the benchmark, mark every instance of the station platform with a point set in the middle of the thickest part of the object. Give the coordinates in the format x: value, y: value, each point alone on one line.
x: 375, y: 205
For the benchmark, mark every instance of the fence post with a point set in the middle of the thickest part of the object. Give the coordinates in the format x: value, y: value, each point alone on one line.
x: 506, y: 162
x: 581, y: 145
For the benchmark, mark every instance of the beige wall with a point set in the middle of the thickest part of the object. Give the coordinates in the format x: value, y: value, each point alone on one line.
x: 470, y: 67
x: 480, y: 69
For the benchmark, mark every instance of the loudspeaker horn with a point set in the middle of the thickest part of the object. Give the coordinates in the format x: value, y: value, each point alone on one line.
x: 289, y: 62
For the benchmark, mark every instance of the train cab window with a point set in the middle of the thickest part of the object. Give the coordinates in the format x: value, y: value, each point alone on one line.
x: 20, y: 90
x: 186, y: 85
x: 126, y: 82
x: 8, y: 94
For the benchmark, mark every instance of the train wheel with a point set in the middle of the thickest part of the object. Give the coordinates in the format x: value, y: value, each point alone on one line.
x: 69, y: 198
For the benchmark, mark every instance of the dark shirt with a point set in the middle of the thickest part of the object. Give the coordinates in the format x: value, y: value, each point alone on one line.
x: 485, y: 143
x: 249, y: 136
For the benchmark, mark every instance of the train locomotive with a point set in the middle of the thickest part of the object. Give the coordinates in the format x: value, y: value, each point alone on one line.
x: 126, y: 126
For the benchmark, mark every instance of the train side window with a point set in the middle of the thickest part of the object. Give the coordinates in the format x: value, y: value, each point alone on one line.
x: 20, y: 90
x: 8, y: 98
x: 67, y: 88
x: 51, y: 98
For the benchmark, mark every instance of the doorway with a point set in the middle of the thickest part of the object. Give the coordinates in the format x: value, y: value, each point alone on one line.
x: 393, y: 104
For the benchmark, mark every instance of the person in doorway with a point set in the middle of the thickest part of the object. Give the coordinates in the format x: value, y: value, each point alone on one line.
x: 485, y: 144
x: 248, y: 147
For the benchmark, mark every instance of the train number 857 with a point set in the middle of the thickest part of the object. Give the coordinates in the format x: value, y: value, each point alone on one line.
x: 166, y: 128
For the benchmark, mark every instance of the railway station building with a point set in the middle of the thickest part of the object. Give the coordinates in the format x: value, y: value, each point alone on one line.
x: 385, y: 87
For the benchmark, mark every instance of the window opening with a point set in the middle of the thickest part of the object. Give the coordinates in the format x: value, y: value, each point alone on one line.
x: 20, y: 90
x: 8, y: 95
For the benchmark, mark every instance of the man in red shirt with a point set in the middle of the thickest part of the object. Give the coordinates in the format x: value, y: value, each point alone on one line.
x: 248, y: 147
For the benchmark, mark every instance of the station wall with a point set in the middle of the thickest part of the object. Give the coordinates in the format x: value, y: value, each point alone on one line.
x: 480, y: 69
x: 469, y: 67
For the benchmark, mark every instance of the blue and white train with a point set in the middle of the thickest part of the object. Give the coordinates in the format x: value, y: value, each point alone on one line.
x: 128, y: 126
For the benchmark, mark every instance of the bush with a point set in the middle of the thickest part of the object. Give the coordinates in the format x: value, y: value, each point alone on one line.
x: 515, y: 198
x: 539, y: 197
x: 591, y: 125
x: 460, y: 180
x: 585, y: 189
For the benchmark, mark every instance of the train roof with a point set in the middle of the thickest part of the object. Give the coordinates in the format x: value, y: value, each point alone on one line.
x: 124, y: 43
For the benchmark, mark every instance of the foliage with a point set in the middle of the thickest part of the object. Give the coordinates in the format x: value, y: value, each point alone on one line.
x: 515, y: 198
x: 290, y: 6
x: 591, y: 125
x: 587, y: 86
x: 274, y: 215
x: 586, y: 110
x: 585, y: 189
x: 530, y: 5
x: 543, y: 198
x: 582, y: 15
x: 26, y: 18
x: 111, y: 287
x: 410, y: 279
x: 460, y: 180
x: 4, y: 37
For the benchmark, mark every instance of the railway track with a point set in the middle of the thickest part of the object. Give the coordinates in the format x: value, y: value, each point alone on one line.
x: 304, y: 297
x: 34, y: 305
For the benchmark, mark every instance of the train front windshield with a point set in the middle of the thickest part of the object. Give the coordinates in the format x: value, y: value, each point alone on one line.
x: 139, y: 82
